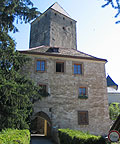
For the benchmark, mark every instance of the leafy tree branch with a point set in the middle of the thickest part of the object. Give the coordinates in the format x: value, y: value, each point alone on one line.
x: 115, y: 5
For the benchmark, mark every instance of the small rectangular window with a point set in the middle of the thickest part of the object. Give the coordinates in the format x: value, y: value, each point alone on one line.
x: 60, y: 67
x: 83, y: 93
x: 42, y: 88
x: 83, y: 118
x: 77, y: 68
x: 40, y: 65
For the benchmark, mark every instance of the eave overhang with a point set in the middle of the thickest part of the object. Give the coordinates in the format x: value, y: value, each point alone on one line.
x: 65, y: 56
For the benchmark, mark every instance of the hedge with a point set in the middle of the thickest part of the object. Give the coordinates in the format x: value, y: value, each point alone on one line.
x: 68, y: 136
x: 14, y: 136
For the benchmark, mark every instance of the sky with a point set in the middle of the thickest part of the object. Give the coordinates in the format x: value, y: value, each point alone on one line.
x: 97, y: 33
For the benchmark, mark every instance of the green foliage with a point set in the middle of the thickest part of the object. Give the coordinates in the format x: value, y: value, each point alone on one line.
x: 17, y: 92
x: 14, y: 136
x: 68, y: 136
x: 11, y: 10
x: 114, y: 111
x: 115, y: 5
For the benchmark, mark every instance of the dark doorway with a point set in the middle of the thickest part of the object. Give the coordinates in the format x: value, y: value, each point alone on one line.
x: 41, y: 124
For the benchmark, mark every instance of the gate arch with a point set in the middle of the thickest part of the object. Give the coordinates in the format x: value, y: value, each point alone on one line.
x: 41, y: 124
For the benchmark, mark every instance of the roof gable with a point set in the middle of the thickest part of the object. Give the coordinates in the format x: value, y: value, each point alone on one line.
x: 111, y: 83
x: 59, y: 9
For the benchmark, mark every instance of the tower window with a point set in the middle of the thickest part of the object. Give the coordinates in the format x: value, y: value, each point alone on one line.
x: 63, y: 28
x: 55, y: 14
x: 69, y: 29
x: 63, y: 18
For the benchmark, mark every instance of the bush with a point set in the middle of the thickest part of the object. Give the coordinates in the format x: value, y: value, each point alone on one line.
x: 14, y: 136
x: 68, y: 136
x: 114, y: 111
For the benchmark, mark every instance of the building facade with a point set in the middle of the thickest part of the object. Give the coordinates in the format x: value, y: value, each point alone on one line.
x: 113, y: 93
x: 75, y: 81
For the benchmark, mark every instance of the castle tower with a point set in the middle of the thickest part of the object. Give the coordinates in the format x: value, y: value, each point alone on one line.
x: 54, y: 28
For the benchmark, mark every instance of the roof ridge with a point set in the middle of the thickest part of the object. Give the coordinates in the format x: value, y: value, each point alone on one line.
x: 33, y: 48
x: 61, y: 10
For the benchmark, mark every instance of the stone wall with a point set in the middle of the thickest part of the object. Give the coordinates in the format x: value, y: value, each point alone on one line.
x: 40, y: 31
x: 63, y: 31
x: 53, y: 29
x: 63, y: 104
x: 114, y: 97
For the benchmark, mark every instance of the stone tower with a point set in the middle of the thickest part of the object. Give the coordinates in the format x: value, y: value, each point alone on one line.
x: 54, y: 28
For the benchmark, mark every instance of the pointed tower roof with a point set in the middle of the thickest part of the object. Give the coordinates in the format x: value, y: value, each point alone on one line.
x: 59, y: 9
x: 111, y: 83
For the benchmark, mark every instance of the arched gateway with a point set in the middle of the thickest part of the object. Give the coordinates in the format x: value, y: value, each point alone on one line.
x: 41, y: 124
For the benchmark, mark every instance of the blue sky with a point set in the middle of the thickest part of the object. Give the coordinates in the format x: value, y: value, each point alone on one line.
x: 97, y: 33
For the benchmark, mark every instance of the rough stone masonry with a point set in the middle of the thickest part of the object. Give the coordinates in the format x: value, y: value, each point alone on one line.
x: 77, y: 99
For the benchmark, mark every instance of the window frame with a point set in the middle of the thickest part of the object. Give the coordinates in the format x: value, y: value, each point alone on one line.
x: 63, y: 66
x: 36, y: 60
x: 81, y: 65
x: 85, y: 119
x: 86, y: 93
x: 46, y: 89
x: 43, y: 86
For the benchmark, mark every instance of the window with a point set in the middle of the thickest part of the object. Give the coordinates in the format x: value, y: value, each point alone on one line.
x: 64, y: 28
x: 83, y: 118
x: 77, y: 68
x: 43, y: 89
x: 60, y: 67
x: 83, y: 92
x: 55, y: 50
x: 40, y: 65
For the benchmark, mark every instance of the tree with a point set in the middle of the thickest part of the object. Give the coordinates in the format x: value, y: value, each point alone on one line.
x: 114, y: 111
x: 115, y: 5
x: 11, y: 10
x: 17, y: 92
